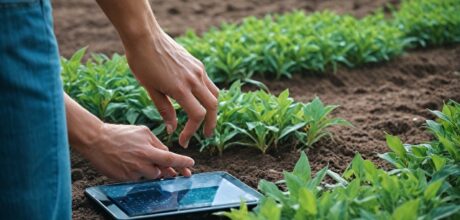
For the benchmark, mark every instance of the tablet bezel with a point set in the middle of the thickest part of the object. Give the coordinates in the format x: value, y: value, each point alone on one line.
x: 109, y: 206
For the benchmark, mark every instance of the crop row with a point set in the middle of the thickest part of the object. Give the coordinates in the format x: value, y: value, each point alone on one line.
x: 424, y: 183
x: 281, y: 45
x: 106, y: 87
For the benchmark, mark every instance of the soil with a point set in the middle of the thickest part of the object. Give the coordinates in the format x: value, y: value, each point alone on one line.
x: 391, y: 97
x: 82, y: 23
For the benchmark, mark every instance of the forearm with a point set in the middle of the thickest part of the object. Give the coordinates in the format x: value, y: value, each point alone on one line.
x: 134, y: 20
x: 83, y: 128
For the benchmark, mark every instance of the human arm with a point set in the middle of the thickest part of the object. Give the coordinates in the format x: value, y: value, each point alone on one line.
x: 164, y: 67
x: 122, y: 152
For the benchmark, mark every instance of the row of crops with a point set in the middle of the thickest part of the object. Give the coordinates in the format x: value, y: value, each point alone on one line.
x: 282, y: 45
x: 257, y: 119
x: 423, y: 184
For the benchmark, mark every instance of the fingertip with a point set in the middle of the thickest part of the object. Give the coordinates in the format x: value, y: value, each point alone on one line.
x: 156, y: 172
x: 208, y: 132
x: 171, y: 126
x: 186, y: 172
x: 188, y: 161
x: 169, y: 129
x: 183, y: 141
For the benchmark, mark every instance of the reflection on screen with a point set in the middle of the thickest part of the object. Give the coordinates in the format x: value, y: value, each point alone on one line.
x: 200, y: 190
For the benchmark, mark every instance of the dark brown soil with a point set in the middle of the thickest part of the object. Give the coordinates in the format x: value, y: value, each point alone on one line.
x: 391, y: 97
x: 82, y: 23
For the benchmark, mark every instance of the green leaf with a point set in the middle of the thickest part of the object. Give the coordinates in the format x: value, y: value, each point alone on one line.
x: 335, y: 176
x: 391, y: 158
x: 307, y: 201
x: 407, y: 211
x: 290, y: 129
x: 241, y: 214
x: 271, y: 190
x: 314, y: 183
x: 293, y: 183
x: 450, y: 147
x: 438, y: 162
x: 302, y: 168
x: 270, y: 210
x: 432, y: 189
x: 396, y: 145
x: 444, y: 211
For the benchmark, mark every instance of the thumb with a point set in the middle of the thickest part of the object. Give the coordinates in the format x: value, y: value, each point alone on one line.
x: 166, y: 110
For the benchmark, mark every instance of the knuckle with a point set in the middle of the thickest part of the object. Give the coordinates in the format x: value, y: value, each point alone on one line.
x: 199, y: 115
x: 145, y: 129
x: 201, y: 65
x: 199, y: 72
x: 213, y: 106
x: 163, y: 110
x: 195, y: 82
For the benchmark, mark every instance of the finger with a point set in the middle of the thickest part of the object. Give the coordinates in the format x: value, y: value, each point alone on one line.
x: 168, y: 172
x: 209, y: 102
x: 196, y: 114
x: 155, y: 142
x: 150, y: 172
x: 169, y: 159
x: 185, y: 172
x: 212, y: 87
x: 166, y: 110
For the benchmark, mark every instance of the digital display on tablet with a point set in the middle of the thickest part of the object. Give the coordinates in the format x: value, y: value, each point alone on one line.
x: 198, y: 191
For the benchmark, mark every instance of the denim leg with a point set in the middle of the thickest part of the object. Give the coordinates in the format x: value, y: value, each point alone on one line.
x: 34, y: 154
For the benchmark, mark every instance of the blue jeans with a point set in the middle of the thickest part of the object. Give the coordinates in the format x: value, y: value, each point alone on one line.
x: 34, y: 153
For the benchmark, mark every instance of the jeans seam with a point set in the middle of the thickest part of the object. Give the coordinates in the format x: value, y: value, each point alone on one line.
x: 55, y: 122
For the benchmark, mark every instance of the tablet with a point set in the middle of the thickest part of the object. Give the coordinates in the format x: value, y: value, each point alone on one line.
x: 203, y: 192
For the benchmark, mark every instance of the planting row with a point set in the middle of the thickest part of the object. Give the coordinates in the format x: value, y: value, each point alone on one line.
x: 281, y: 45
x: 257, y: 119
x: 424, y: 183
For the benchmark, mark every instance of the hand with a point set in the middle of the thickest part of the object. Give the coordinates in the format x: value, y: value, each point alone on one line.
x: 128, y: 152
x: 166, y: 69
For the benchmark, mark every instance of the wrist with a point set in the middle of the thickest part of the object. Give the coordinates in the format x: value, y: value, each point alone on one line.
x: 139, y: 34
x: 84, y: 129
x: 89, y: 137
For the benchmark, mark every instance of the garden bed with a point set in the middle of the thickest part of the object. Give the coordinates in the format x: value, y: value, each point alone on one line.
x: 392, y: 97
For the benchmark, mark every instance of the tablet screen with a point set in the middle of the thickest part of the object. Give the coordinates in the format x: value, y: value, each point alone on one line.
x: 200, y: 190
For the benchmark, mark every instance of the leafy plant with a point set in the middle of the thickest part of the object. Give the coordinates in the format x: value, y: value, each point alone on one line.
x: 281, y: 45
x: 261, y: 120
x: 106, y: 87
x: 429, y: 22
x: 424, y: 184
x: 315, y: 115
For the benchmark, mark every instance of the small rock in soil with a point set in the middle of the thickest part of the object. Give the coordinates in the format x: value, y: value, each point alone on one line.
x: 77, y: 174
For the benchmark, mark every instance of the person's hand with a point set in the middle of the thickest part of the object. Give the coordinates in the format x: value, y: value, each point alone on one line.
x: 129, y: 152
x: 166, y: 69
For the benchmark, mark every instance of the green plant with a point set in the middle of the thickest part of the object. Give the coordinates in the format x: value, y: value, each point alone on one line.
x: 424, y: 184
x: 281, y: 45
x: 106, y: 87
x: 261, y: 120
x: 429, y: 22
x: 315, y: 115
